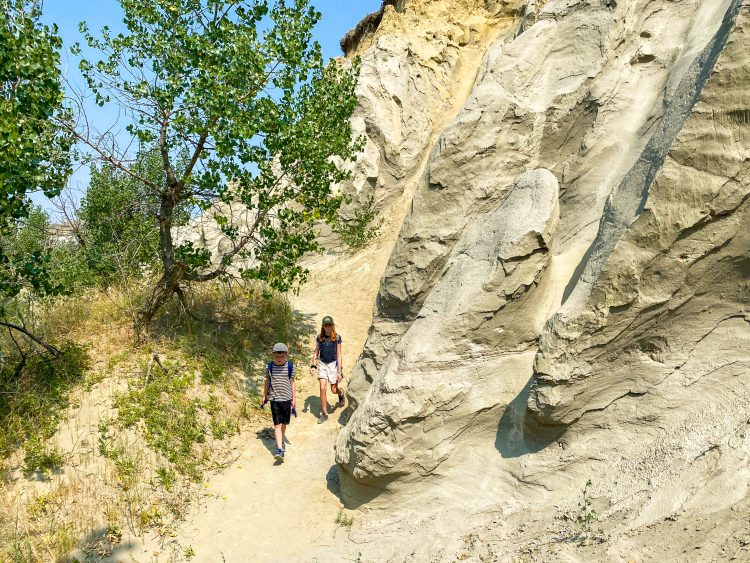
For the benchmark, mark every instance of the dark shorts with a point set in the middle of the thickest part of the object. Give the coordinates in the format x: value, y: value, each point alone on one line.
x: 281, y: 412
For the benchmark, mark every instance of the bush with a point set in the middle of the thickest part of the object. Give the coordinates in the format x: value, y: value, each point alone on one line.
x: 39, y: 266
x: 357, y: 232
x: 119, y: 219
x: 32, y: 398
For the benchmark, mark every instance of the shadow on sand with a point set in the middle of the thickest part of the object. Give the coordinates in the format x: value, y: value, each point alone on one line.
x: 100, y: 545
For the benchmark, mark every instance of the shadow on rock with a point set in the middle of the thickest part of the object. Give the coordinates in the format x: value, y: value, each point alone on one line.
x: 518, y: 434
x: 353, y: 493
x: 333, y: 484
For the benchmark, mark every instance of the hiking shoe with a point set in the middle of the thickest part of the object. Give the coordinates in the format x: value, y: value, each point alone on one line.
x: 279, y: 455
x: 323, y: 418
x: 341, y: 399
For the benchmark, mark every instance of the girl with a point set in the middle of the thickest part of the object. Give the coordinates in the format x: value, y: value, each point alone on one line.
x: 327, y: 361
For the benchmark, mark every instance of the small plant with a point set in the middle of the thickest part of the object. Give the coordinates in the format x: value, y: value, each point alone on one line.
x: 357, y: 232
x: 585, y: 518
x: 113, y: 534
x: 221, y: 429
x: 170, y: 418
x: 149, y: 518
x: 188, y: 552
x: 166, y: 477
x: 343, y: 520
x: 41, y: 458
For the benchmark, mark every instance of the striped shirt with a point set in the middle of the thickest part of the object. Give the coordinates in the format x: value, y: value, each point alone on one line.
x: 281, y: 385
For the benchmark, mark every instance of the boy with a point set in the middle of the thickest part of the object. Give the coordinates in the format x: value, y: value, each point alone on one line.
x: 280, y: 383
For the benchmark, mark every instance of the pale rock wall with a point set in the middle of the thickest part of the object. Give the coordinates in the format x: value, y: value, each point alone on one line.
x: 428, y: 393
x: 595, y: 92
x: 652, y: 358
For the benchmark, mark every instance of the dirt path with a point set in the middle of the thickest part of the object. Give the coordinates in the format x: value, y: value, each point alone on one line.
x: 258, y: 509
x: 267, y: 511
x: 262, y: 510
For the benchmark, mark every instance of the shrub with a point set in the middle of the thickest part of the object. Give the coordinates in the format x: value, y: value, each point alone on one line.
x: 359, y: 231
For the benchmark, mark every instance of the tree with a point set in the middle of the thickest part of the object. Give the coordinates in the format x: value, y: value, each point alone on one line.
x: 119, y: 229
x: 34, y: 154
x: 240, y: 87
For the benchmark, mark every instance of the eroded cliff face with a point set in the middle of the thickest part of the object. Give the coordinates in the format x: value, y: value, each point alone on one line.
x: 569, y: 291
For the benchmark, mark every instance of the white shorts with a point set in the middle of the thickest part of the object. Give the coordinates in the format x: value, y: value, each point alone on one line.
x: 329, y: 372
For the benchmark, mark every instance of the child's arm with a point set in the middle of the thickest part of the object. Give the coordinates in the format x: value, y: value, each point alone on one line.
x: 314, y: 360
x: 339, y: 360
x: 266, y: 382
x: 294, y: 393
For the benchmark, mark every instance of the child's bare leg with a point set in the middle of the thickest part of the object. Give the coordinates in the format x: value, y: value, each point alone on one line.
x: 278, y: 431
x: 323, y: 400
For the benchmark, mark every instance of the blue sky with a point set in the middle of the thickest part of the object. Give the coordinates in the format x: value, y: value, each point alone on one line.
x: 338, y: 16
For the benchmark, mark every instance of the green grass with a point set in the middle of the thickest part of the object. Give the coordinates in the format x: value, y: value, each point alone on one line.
x: 32, y: 400
x: 170, y: 418
x: 169, y: 428
x: 41, y: 458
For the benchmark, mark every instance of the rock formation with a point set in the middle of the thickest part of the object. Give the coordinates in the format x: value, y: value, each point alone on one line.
x: 572, y: 274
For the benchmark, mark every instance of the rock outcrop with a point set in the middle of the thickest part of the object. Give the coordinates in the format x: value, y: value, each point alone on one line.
x: 503, y: 330
x: 485, y: 295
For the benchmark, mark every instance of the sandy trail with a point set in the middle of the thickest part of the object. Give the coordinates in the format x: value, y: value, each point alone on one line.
x: 258, y: 509
x: 267, y: 511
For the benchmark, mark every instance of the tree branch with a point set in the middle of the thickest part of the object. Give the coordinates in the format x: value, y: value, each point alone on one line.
x: 51, y: 349
x: 164, y: 149
x: 197, y: 152
x: 107, y: 157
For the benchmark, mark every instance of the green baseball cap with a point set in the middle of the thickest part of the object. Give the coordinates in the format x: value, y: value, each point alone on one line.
x: 328, y: 320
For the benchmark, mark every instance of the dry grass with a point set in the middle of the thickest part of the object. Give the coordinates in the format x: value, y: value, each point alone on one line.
x: 122, y: 470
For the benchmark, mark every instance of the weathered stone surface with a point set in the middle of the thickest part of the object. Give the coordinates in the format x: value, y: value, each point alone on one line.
x: 551, y: 96
x: 667, y: 267
x: 485, y: 294
x: 639, y: 110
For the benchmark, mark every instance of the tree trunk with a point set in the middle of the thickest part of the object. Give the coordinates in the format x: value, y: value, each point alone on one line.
x: 162, y: 292
x: 173, y: 272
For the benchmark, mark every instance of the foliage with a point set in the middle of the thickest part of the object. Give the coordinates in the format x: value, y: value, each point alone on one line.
x: 343, y: 520
x: 214, y: 371
x: 41, y: 458
x: 38, y: 265
x: 119, y: 214
x: 241, y: 88
x: 34, y: 154
x: 32, y: 400
x: 246, y: 322
x: 357, y: 232
x: 170, y: 417
x: 585, y: 518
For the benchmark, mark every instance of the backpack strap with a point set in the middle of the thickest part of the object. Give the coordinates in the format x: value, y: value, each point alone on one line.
x: 291, y: 368
x: 269, y: 371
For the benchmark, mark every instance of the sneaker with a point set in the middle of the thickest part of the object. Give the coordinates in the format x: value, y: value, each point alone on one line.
x: 323, y: 418
x: 279, y: 455
x: 341, y: 399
